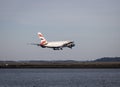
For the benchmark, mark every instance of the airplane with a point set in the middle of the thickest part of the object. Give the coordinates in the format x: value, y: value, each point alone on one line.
x: 55, y: 45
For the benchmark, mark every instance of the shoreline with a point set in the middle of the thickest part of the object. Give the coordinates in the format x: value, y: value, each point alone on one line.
x: 71, y: 65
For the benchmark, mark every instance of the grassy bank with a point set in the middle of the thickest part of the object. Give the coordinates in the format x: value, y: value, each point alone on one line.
x: 59, y: 64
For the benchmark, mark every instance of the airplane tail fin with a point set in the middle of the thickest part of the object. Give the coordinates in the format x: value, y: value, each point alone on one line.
x: 43, y: 40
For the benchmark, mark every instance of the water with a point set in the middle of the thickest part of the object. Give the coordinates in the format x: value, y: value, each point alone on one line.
x: 59, y: 77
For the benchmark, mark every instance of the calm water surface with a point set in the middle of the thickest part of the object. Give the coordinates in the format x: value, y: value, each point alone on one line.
x: 59, y: 77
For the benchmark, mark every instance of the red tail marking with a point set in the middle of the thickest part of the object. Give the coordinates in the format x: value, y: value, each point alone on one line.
x: 40, y: 35
x: 43, y: 43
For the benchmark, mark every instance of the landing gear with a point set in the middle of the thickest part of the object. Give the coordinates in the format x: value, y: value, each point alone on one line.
x: 56, y: 48
x: 61, y: 48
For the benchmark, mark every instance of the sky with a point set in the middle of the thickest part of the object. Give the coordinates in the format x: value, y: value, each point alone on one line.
x: 94, y: 26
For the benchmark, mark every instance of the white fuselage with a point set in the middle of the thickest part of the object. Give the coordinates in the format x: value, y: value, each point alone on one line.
x: 56, y: 43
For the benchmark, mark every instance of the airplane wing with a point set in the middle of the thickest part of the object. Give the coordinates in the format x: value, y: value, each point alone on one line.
x: 34, y: 44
